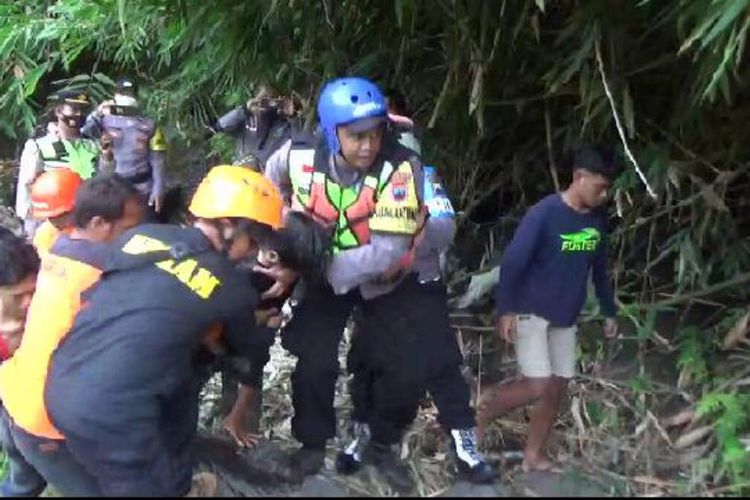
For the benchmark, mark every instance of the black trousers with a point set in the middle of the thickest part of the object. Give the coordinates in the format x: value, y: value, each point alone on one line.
x: 125, y: 463
x: 403, y: 346
x: 314, y: 335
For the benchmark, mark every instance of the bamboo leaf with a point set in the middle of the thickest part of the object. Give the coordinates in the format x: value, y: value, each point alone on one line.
x: 31, y: 80
x: 121, y: 15
x: 705, y: 24
x: 728, y: 16
x: 628, y: 112
x: 535, y: 27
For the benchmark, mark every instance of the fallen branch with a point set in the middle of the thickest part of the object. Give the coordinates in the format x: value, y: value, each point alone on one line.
x: 680, y: 299
x: 723, y: 489
x: 474, y: 328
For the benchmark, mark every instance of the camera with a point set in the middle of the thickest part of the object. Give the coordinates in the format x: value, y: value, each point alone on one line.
x: 122, y: 110
x: 266, y: 103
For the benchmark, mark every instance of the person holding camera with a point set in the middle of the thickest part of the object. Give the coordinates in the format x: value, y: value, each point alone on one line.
x: 135, y: 141
x: 259, y: 127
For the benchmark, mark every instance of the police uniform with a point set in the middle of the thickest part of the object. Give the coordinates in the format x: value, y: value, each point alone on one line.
x: 81, y: 155
x: 373, y: 219
x: 121, y: 386
x: 138, y: 145
x: 433, y: 354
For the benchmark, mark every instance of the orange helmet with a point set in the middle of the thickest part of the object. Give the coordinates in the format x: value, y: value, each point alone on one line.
x: 54, y: 193
x: 234, y: 191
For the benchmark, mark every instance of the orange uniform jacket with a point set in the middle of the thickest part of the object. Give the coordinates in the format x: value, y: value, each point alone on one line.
x: 70, y: 268
x: 45, y: 237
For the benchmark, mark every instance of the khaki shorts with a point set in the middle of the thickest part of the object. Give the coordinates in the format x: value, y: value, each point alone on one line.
x: 543, y: 350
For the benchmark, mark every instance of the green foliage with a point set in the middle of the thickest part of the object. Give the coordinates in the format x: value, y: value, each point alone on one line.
x: 730, y: 414
x: 692, y: 357
x: 602, y: 415
x: 641, y: 384
x: 502, y: 90
x: 3, y: 465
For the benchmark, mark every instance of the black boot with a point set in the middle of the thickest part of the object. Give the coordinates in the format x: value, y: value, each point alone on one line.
x: 471, y: 464
x: 304, y: 462
x: 395, y: 472
x: 349, y: 460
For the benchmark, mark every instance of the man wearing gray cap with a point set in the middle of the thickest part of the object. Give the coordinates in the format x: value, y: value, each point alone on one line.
x: 62, y: 148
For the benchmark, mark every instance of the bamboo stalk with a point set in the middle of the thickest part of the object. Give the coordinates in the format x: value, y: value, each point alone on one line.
x: 550, y: 156
x: 619, y: 125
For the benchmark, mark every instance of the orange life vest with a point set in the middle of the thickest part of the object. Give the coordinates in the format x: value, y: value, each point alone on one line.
x: 53, y: 308
x: 385, y: 201
x: 45, y: 236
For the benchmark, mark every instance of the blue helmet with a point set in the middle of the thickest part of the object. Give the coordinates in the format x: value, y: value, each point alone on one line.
x: 346, y: 100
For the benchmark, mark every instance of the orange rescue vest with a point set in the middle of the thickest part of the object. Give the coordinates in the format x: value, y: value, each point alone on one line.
x: 45, y: 236
x: 51, y: 313
x: 385, y: 200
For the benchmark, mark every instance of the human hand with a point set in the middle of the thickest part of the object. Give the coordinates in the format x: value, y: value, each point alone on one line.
x: 507, y: 326
x: 284, y: 278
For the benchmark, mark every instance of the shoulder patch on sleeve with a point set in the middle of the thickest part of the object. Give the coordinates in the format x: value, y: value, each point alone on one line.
x: 435, y: 198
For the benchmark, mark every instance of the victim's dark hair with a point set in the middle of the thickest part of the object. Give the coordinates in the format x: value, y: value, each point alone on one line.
x: 18, y: 259
x: 302, y: 244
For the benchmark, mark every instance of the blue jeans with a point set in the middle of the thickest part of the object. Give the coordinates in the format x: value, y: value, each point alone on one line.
x: 51, y: 458
x: 23, y: 480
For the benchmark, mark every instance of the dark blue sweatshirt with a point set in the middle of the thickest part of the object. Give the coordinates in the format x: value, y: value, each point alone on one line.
x: 546, y: 267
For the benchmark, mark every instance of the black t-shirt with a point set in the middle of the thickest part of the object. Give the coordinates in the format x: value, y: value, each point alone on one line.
x: 130, y: 351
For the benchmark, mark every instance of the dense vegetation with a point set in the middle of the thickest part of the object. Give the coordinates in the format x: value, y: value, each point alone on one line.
x: 503, y: 88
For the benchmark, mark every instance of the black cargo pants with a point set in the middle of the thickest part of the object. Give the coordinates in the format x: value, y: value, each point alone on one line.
x: 403, y: 346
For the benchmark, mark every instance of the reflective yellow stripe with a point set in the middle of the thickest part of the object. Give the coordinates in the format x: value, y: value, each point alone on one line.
x: 158, y: 142
x: 200, y: 281
x: 140, y: 244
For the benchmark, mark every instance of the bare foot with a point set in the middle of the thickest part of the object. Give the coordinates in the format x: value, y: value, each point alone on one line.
x: 538, y: 464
